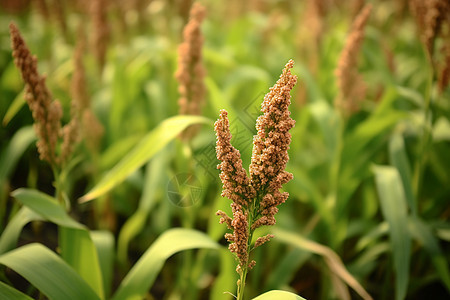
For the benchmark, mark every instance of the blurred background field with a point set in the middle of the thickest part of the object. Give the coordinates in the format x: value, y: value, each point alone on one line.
x: 369, y: 205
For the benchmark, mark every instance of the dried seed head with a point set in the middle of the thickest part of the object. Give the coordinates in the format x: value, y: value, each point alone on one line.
x: 271, y: 143
x: 430, y: 16
x: 46, y: 113
x: 101, y: 31
x: 190, y: 72
x: 352, y: 88
x: 236, y: 184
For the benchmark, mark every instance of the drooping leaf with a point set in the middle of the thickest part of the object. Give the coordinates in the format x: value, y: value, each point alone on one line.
x: 48, y: 273
x: 10, y: 235
x: 333, y: 261
x: 151, y: 144
x: 394, y: 209
x: 77, y: 248
x: 46, y: 206
x: 141, y: 277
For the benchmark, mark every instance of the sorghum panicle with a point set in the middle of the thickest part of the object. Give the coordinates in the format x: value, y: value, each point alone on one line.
x: 46, y: 113
x: 352, y: 88
x: 101, y: 30
x: 190, y: 73
x: 256, y: 197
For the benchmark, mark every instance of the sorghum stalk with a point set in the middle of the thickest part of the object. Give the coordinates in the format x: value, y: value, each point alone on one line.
x: 256, y: 196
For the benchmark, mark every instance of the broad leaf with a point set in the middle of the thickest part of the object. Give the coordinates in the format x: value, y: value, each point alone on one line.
x: 394, y: 209
x: 48, y: 273
x: 141, y: 277
x: 151, y: 144
x: 77, y: 248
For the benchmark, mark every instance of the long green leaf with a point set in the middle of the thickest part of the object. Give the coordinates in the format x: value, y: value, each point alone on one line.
x: 143, y: 274
x: 46, y: 206
x: 134, y: 224
x: 151, y: 144
x: 399, y: 159
x: 10, y: 293
x: 333, y: 261
x: 77, y: 248
x: 48, y: 273
x: 10, y: 235
x: 394, y: 209
x: 104, y: 242
x: 18, y: 144
x: 15, y: 107
x: 279, y: 295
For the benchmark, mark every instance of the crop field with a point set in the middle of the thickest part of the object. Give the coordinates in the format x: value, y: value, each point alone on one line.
x: 261, y: 149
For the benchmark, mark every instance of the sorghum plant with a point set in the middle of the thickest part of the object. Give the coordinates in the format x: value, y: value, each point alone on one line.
x: 256, y: 196
x: 55, y: 142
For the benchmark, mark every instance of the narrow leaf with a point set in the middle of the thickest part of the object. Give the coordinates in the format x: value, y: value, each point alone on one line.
x: 394, y: 209
x: 333, y: 261
x: 14, y: 108
x: 104, y: 242
x: 48, y: 273
x: 10, y: 293
x: 151, y: 144
x: 399, y: 159
x: 141, y: 277
x: 279, y: 295
x: 10, y: 235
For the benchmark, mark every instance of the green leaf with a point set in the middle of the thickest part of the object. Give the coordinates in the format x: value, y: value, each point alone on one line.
x: 399, y: 159
x: 14, y: 108
x: 46, y: 206
x: 151, y: 144
x: 7, y: 292
x: 10, y: 235
x: 134, y: 224
x: 394, y: 209
x: 104, y: 242
x: 279, y: 295
x: 16, y: 147
x: 423, y: 233
x: 48, y: 273
x: 333, y: 261
x: 79, y: 251
x: 143, y: 274
x: 77, y: 248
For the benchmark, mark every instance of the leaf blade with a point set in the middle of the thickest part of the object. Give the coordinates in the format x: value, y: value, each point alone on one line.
x: 394, y: 210
x: 151, y: 144
x: 137, y: 282
x: 48, y: 273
